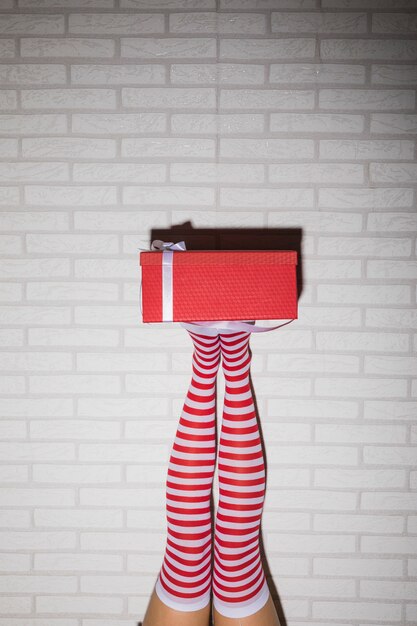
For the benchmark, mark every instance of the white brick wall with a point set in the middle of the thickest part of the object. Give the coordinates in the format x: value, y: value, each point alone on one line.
x: 119, y: 116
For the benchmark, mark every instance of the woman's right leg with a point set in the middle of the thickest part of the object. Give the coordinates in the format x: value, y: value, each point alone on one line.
x: 183, y: 588
x: 241, y: 595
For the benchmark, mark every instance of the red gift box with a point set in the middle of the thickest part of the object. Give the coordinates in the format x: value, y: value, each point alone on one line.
x: 196, y: 285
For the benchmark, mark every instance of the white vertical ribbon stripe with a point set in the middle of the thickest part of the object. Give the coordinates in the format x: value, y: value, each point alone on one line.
x: 167, y: 289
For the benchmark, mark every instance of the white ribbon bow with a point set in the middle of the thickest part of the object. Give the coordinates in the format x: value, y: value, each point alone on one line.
x: 157, y: 244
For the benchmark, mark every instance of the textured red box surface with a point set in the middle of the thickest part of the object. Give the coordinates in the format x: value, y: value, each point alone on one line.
x: 221, y: 285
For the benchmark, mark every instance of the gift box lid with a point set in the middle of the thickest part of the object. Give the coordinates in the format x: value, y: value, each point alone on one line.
x: 224, y: 257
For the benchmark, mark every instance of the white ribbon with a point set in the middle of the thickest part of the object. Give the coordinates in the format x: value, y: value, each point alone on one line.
x: 167, y: 248
x: 157, y: 244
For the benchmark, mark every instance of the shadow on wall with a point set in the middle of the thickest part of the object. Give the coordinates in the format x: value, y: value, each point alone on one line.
x: 235, y: 239
x: 241, y: 239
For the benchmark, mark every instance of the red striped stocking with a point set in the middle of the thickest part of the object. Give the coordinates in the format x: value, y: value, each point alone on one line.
x: 239, y: 584
x: 184, y: 582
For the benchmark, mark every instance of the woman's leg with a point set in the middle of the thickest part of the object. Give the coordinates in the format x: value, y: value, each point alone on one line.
x: 159, y: 614
x: 184, y: 581
x: 239, y: 583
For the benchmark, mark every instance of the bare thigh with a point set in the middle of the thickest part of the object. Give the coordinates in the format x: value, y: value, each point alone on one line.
x: 159, y: 614
x: 266, y: 616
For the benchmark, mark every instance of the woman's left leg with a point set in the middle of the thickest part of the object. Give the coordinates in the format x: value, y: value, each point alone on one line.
x: 183, y: 588
x: 239, y: 585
